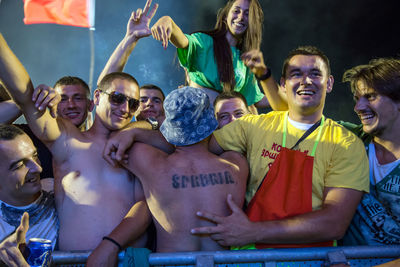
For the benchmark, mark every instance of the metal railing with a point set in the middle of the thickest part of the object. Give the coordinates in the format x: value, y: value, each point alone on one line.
x: 356, y: 256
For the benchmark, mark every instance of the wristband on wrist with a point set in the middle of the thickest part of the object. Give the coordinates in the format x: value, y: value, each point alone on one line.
x: 112, y: 241
x: 265, y: 76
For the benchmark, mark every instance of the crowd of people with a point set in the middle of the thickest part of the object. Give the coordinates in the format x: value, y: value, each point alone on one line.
x: 199, y: 169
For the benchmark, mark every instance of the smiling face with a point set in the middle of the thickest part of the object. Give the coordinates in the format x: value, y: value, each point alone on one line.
x: 20, y: 170
x: 116, y: 116
x: 306, y: 83
x: 379, y: 114
x: 238, y: 18
x: 228, y: 110
x: 74, y: 105
x: 151, y: 105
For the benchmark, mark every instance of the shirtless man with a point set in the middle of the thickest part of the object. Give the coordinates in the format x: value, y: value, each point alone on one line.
x: 75, y: 104
x: 151, y: 103
x: 91, y: 196
x: 151, y: 96
x: 189, y: 179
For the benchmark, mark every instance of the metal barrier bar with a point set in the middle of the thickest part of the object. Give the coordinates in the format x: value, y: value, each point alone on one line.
x: 284, y: 254
x: 245, y: 256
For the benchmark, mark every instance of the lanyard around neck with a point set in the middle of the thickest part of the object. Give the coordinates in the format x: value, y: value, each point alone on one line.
x: 306, y: 134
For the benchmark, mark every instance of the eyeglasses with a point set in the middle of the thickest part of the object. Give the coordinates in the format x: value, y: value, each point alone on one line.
x: 118, y: 99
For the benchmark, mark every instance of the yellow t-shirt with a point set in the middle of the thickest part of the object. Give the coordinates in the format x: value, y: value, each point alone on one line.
x: 340, y: 158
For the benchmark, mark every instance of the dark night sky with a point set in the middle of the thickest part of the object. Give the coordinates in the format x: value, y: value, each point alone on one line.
x: 350, y: 32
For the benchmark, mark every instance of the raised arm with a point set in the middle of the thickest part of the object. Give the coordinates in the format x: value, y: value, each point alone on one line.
x: 18, y: 84
x: 165, y: 29
x: 255, y: 61
x: 9, y: 111
x: 137, y: 28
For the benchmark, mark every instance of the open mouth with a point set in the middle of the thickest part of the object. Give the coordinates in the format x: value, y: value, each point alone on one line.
x: 240, y: 26
x: 366, y: 116
x: 305, y: 92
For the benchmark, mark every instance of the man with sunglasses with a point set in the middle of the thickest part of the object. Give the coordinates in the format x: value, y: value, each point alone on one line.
x: 91, y: 196
x: 207, y: 182
x: 151, y: 96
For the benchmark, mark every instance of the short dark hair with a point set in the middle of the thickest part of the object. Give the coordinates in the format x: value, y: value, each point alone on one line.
x: 152, y: 87
x: 306, y: 51
x: 9, y: 132
x: 230, y: 95
x: 382, y: 75
x: 109, y: 78
x: 72, y: 80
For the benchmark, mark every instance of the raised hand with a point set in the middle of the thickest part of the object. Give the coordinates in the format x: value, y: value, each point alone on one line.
x: 162, y: 30
x: 254, y: 60
x: 139, y: 22
x: 45, y: 96
x: 10, y: 253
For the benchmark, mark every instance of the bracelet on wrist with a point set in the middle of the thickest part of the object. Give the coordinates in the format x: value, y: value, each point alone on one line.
x: 112, y: 241
x: 264, y: 76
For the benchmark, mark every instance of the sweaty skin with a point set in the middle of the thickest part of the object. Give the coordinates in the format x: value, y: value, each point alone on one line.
x: 91, y: 197
x: 182, y: 183
x: 89, y: 193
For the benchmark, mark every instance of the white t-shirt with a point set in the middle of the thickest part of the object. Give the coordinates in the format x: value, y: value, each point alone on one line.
x: 378, y: 171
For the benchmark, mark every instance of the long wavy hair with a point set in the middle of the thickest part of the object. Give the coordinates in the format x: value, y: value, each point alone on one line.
x: 251, y: 39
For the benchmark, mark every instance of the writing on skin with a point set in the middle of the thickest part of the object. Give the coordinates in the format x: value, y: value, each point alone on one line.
x: 201, y: 180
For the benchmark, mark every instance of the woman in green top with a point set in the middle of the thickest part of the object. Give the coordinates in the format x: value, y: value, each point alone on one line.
x: 232, y: 47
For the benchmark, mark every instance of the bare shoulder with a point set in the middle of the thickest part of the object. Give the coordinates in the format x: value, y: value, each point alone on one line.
x: 61, y: 147
x: 238, y: 160
x: 234, y: 157
x: 145, y: 154
x: 142, y: 156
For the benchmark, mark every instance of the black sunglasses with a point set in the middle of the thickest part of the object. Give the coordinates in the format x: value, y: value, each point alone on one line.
x: 116, y: 98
